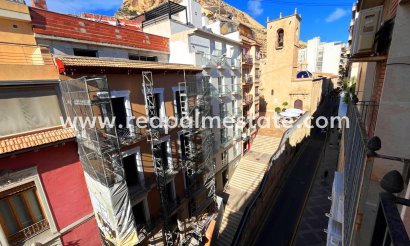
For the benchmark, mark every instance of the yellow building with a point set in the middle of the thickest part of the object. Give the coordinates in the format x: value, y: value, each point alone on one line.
x: 282, y: 86
x: 18, y: 48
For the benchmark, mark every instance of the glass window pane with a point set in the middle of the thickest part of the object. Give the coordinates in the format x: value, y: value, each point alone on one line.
x: 34, y: 205
x: 20, y: 208
x: 7, y: 218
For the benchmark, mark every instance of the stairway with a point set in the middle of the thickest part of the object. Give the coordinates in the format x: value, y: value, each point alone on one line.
x: 244, y: 182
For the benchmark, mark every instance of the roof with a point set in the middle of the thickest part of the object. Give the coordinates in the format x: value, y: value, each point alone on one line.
x: 52, y: 24
x: 30, y: 140
x: 328, y: 75
x: 81, y: 61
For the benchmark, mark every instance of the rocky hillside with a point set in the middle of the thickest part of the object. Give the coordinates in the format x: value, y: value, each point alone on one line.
x: 214, y: 9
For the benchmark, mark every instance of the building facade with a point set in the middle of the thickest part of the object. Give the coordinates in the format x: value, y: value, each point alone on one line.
x: 43, y: 194
x: 212, y: 47
x: 377, y: 106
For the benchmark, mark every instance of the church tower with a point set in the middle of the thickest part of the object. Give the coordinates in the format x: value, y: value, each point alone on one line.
x: 281, y: 60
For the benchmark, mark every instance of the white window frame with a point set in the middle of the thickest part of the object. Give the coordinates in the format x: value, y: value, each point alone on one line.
x: 127, y: 104
x: 176, y: 89
x: 138, y: 160
x: 162, y: 112
x: 18, y: 178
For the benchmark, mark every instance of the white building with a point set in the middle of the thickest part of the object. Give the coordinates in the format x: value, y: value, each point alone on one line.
x: 193, y: 41
x: 324, y: 57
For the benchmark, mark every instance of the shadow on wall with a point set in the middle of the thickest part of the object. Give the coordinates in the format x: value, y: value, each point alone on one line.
x: 263, y: 105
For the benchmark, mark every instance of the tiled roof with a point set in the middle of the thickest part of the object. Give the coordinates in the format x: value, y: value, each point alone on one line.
x: 11, y: 144
x: 54, y: 24
x: 75, y: 61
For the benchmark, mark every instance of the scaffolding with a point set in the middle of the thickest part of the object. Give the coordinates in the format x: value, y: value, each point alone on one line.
x: 86, y: 99
x: 195, y: 98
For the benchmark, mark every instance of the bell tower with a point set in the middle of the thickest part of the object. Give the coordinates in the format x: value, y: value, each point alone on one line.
x: 282, y: 58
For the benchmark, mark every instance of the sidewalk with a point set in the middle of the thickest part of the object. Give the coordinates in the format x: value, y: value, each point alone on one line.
x: 314, y: 221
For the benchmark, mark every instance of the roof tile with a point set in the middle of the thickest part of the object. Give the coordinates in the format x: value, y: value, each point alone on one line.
x: 14, y: 143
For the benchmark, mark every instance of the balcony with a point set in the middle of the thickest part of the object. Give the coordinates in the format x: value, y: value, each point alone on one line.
x: 247, y: 79
x: 389, y: 227
x: 227, y: 90
x: 225, y: 113
x: 32, y: 62
x: 237, y: 111
x: 247, y: 99
x: 247, y: 59
x: 29, y: 232
x: 234, y: 63
x: 220, y: 62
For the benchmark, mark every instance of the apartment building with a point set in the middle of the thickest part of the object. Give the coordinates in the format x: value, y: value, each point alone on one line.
x: 251, y: 75
x: 43, y: 194
x: 375, y: 167
x: 147, y: 185
x: 324, y: 57
x: 196, y: 42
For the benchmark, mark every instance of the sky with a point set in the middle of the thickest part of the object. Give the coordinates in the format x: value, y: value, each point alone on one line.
x: 328, y: 19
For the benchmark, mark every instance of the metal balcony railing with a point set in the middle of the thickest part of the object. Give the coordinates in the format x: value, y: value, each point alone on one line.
x: 225, y: 113
x: 237, y: 111
x: 247, y: 79
x: 246, y: 58
x: 29, y: 232
x: 25, y: 54
x: 248, y: 98
x: 233, y: 63
x: 389, y: 228
x: 207, y: 60
x: 355, y: 161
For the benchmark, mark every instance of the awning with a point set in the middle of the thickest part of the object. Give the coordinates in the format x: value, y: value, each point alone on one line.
x: 76, y: 61
x: 289, y: 114
x: 294, y: 111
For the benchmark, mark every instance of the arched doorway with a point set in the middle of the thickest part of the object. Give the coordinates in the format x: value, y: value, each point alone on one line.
x: 298, y: 104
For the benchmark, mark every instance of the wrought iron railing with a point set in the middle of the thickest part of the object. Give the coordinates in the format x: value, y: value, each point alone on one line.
x: 389, y: 228
x: 247, y: 79
x: 247, y: 59
x: 29, y: 232
x: 355, y: 139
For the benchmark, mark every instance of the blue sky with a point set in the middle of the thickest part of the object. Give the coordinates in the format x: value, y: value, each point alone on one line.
x: 328, y: 19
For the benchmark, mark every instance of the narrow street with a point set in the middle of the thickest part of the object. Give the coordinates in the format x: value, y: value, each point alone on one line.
x: 284, y: 216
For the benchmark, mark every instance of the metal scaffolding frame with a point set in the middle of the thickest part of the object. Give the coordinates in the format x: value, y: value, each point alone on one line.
x: 154, y: 138
x: 100, y: 154
x: 195, y: 98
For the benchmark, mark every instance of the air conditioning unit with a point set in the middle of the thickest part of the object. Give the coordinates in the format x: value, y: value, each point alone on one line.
x: 367, y: 24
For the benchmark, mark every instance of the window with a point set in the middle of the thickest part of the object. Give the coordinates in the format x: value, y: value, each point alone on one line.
x: 21, y: 214
x: 118, y: 106
x: 131, y: 170
x: 272, y: 92
x: 28, y: 109
x: 163, y: 151
x: 280, y: 39
x: 143, y: 58
x: 85, y: 52
x: 221, y: 84
x: 184, y: 143
x: 178, y: 106
x: 170, y: 188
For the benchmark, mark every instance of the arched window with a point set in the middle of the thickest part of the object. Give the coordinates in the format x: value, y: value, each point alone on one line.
x: 272, y: 92
x: 280, y: 39
x: 298, y: 104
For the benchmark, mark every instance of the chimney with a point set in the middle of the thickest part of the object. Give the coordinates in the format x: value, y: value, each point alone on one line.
x: 296, y: 11
x: 41, y: 4
x: 280, y: 15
